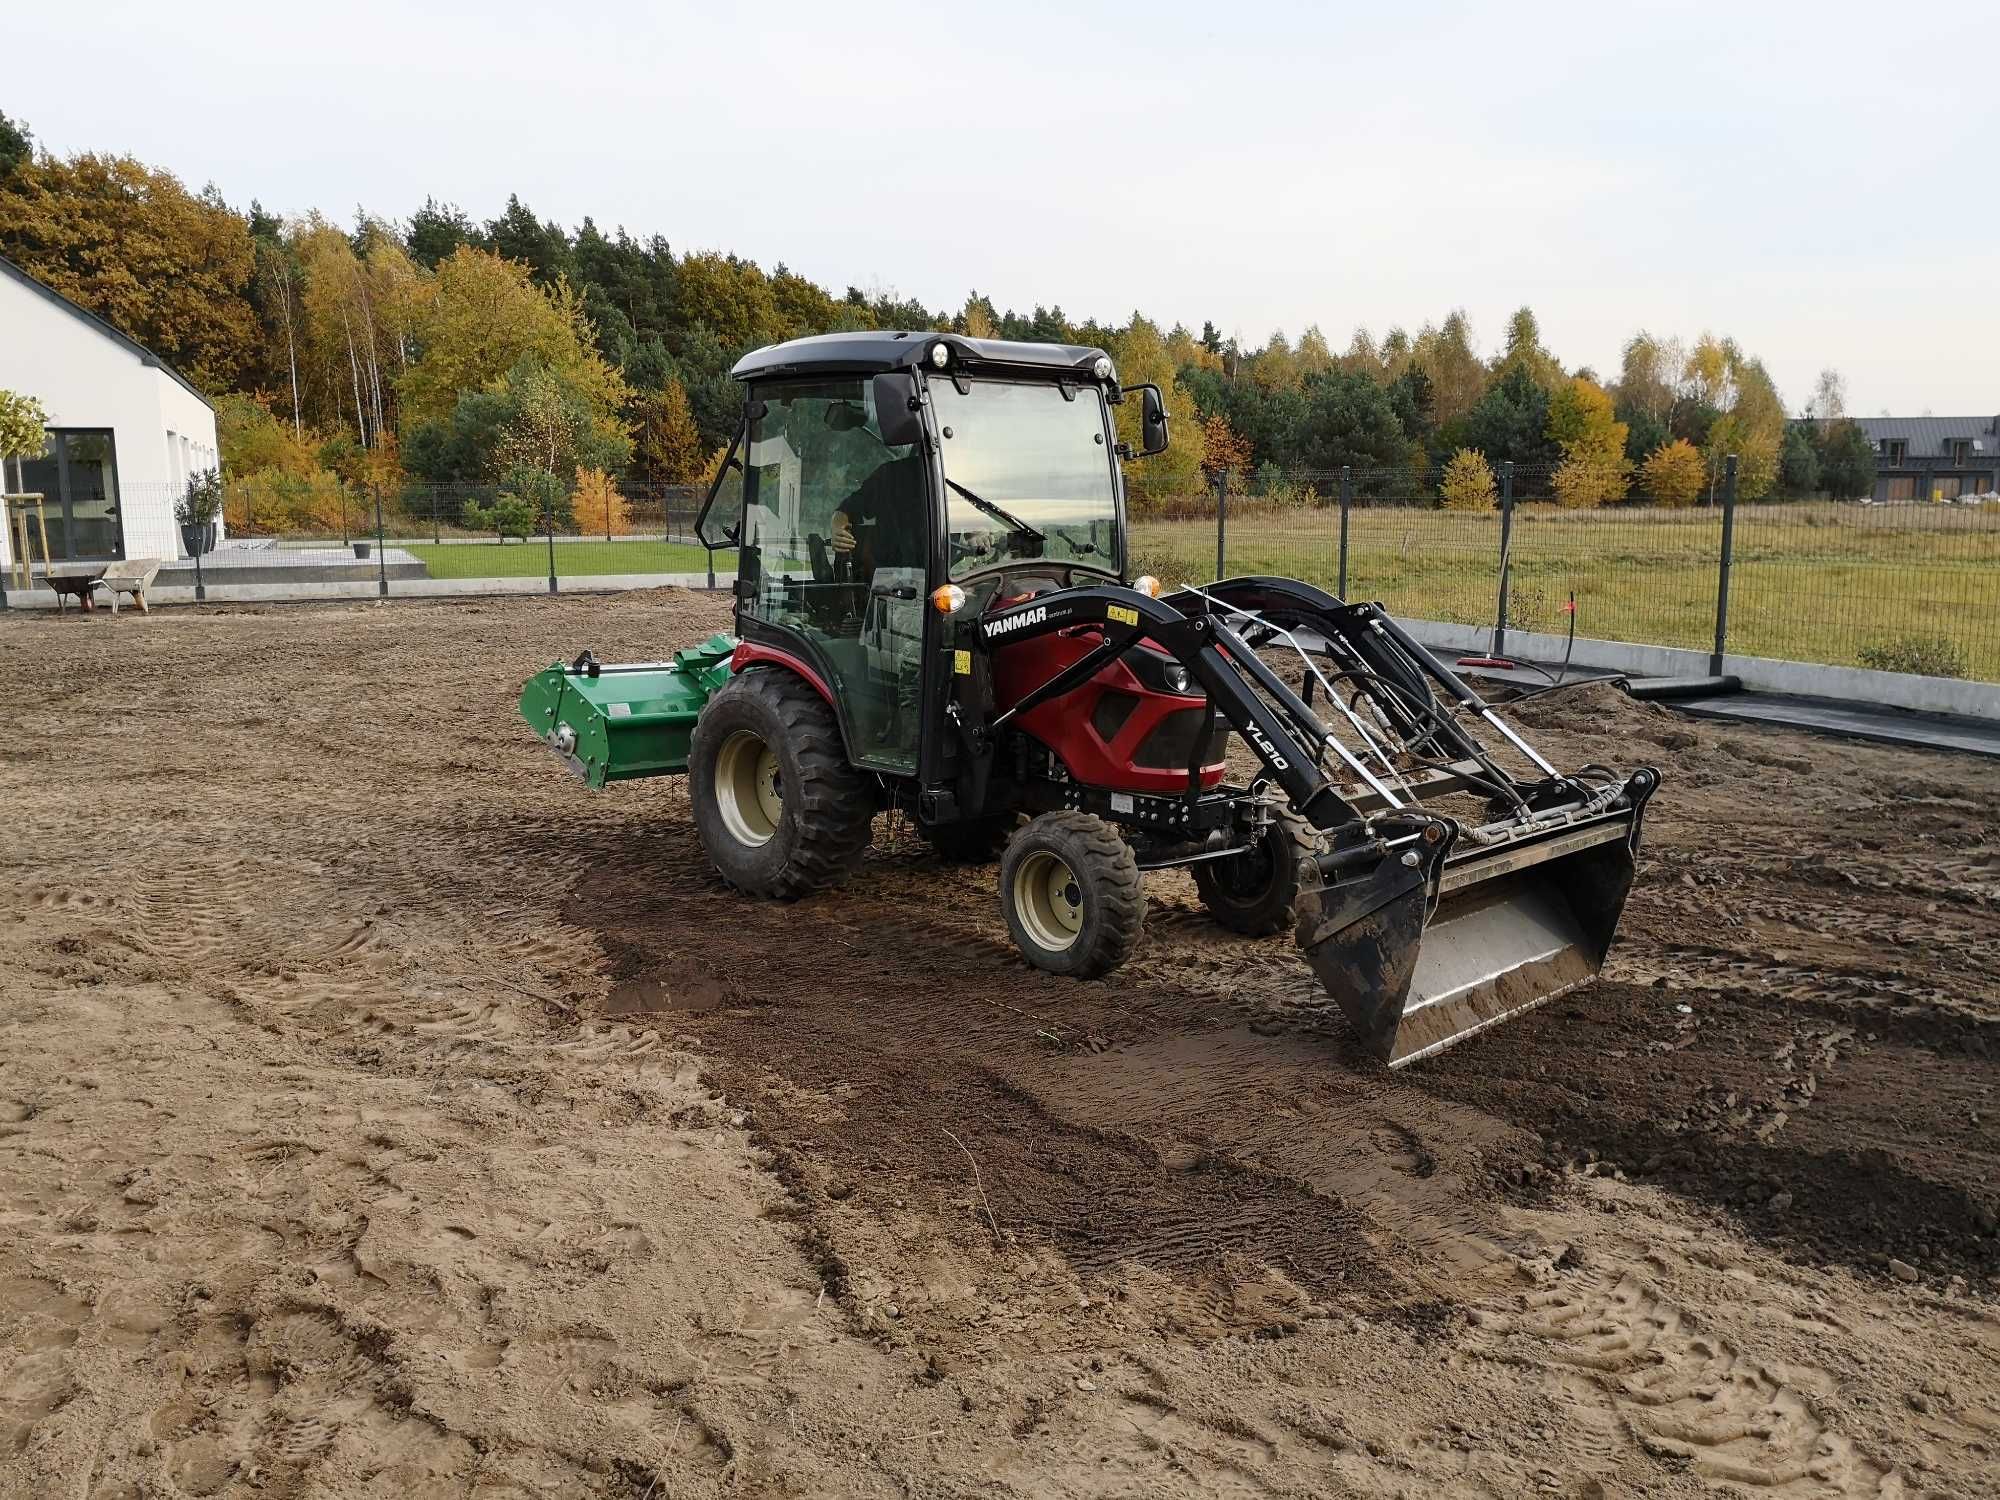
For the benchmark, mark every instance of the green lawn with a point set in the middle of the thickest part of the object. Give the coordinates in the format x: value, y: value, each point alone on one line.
x: 1810, y: 582
x: 574, y: 558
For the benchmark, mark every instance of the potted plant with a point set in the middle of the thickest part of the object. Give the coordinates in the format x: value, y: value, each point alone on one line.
x: 197, y: 509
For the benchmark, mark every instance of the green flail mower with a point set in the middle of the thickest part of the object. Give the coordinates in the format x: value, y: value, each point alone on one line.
x: 934, y: 614
x: 624, y: 722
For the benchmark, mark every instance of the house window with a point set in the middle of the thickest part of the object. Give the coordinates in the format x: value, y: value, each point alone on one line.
x: 1894, y: 450
x: 77, y: 476
x: 1958, y: 452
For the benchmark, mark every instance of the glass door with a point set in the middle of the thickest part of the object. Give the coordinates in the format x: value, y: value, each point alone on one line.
x: 834, y: 545
x: 77, y: 474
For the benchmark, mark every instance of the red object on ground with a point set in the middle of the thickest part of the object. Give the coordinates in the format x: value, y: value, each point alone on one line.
x: 1487, y: 661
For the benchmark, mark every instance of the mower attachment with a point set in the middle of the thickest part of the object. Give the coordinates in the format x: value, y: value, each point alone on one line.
x: 618, y: 723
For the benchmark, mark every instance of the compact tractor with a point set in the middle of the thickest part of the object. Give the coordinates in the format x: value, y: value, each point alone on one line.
x: 935, y: 614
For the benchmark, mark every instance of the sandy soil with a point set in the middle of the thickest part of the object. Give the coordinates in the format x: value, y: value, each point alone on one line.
x: 381, y: 1113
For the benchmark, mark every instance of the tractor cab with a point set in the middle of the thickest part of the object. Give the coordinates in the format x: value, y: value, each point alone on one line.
x: 873, y: 470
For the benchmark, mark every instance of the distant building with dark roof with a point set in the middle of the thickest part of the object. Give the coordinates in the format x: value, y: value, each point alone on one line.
x: 1933, y: 458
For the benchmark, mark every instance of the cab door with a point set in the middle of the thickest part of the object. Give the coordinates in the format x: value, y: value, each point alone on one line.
x: 833, y: 543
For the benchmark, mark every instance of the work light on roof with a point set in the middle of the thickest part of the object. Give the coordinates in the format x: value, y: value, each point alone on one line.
x: 940, y: 355
x: 1102, y: 368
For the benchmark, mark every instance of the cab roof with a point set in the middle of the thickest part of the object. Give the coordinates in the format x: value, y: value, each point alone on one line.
x: 877, y: 351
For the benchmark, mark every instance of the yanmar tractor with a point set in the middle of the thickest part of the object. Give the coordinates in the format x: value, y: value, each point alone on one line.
x: 935, y: 614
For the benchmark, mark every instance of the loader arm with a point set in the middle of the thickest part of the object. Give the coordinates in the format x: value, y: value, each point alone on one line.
x: 1424, y: 927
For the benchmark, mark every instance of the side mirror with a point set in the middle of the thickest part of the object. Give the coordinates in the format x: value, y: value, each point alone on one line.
x: 1152, y: 421
x: 897, y: 411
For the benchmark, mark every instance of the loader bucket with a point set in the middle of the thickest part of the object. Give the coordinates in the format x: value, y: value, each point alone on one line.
x: 1420, y: 956
x: 618, y: 723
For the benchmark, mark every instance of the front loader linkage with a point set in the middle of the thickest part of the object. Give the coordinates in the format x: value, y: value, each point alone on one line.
x: 1425, y: 928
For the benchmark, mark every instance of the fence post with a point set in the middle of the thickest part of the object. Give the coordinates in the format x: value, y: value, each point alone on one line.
x: 667, y: 515
x: 381, y: 549
x: 549, y: 524
x: 1346, y: 502
x: 1506, y: 543
x: 1221, y: 522
x: 437, y: 526
x: 1728, y: 552
x: 346, y: 539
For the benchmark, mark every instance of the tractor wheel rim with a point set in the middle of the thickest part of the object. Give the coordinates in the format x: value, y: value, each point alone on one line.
x: 1249, y: 874
x: 1049, y: 900
x: 748, y: 790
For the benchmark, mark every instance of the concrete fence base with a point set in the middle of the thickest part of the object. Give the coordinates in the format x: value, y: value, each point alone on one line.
x: 1932, y: 695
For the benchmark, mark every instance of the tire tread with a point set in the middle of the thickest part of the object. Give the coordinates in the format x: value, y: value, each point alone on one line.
x: 835, y: 812
x: 1120, y: 885
x: 1279, y: 914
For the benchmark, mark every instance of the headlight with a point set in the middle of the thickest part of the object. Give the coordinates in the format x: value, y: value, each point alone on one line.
x: 1102, y: 368
x: 940, y: 355
x: 1160, y: 673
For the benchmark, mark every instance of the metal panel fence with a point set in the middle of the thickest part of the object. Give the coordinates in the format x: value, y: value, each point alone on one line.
x: 1901, y: 587
x: 464, y: 533
x: 1910, y: 586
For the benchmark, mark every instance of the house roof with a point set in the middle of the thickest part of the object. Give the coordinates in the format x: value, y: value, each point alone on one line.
x: 146, y: 356
x: 1925, y: 437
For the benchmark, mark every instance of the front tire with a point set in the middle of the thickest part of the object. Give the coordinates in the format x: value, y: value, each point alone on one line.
x: 1256, y: 892
x: 1071, y: 893
x: 777, y: 807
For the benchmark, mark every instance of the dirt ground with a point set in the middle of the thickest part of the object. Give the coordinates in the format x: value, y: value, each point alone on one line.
x: 384, y: 1114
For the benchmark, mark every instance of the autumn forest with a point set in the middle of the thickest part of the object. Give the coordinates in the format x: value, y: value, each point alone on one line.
x: 512, y: 352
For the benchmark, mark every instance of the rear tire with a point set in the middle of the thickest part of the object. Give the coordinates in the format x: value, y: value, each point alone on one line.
x: 777, y: 807
x: 1071, y: 893
x: 1256, y: 892
x: 972, y: 841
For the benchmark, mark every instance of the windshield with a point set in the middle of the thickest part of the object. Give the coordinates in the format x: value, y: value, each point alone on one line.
x: 1028, y: 474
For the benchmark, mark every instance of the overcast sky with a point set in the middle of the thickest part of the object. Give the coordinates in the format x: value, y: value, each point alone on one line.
x: 1820, y: 181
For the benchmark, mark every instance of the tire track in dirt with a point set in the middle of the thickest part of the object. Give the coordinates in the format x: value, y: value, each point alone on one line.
x: 1106, y: 1117
x: 1685, y: 1392
x: 1867, y: 1145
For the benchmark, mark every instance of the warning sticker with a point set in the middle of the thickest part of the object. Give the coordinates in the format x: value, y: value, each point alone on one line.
x: 961, y: 663
x: 1123, y: 615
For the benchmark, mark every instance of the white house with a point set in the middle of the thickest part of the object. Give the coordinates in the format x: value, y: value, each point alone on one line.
x: 125, y: 428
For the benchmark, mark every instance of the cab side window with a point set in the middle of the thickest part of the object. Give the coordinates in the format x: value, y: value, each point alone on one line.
x: 835, y: 538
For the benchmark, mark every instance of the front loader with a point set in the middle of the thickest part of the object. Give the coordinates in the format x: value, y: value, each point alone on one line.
x: 935, y: 614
